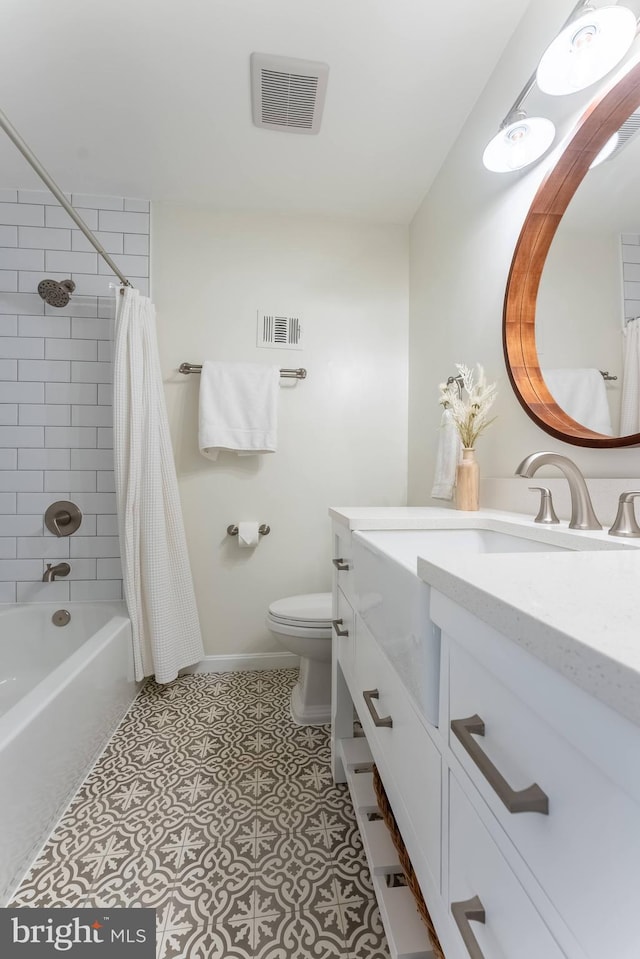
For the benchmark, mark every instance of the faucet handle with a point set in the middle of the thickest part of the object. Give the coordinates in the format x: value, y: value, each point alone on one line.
x: 625, y: 523
x: 546, y: 513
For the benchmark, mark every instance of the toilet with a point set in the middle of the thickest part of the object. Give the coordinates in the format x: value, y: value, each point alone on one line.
x: 302, y: 624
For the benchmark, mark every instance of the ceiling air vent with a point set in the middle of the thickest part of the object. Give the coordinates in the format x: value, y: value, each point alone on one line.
x: 287, y: 94
x: 277, y: 331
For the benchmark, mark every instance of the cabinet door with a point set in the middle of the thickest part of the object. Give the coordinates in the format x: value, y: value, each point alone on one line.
x: 585, y: 851
x: 344, y: 629
x: 342, y: 560
x: 493, y: 913
x: 409, y: 762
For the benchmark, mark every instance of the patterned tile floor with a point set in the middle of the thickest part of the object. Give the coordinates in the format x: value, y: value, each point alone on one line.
x: 212, y: 807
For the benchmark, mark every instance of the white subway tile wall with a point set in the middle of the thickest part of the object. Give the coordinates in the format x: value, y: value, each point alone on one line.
x: 56, y: 431
x: 631, y: 274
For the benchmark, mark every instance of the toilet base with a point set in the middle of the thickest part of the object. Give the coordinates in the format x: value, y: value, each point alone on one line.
x: 311, y: 696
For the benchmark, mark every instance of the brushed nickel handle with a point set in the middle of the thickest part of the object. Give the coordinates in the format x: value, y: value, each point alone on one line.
x: 464, y: 913
x: 341, y: 564
x: 369, y: 695
x: 62, y: 518
x: 531, y: 799
x: 336, y: 623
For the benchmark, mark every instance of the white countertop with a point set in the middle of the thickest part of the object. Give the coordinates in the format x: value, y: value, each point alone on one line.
x: 579, y: 612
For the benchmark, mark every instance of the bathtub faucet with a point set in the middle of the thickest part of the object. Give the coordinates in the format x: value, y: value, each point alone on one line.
x: 60, y: 569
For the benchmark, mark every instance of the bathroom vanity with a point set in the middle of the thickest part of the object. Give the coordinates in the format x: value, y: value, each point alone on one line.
x: 497, y: 681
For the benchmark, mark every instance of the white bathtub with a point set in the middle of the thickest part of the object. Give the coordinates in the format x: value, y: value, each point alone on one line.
x: 63, y: 691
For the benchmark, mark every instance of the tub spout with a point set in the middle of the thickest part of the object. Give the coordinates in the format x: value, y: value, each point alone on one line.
x: 582, y: 514
x: 60, y: 569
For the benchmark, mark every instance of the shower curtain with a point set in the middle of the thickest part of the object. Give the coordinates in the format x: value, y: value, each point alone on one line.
x: 630, y: 402
x: 157, y: 579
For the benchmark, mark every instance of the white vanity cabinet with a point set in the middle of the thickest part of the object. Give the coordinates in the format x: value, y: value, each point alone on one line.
x: 519, y: 808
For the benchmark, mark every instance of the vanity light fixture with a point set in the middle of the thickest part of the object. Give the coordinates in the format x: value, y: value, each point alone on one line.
x: 589, y: 45
x: 586, y: 49
x: 520, y: 141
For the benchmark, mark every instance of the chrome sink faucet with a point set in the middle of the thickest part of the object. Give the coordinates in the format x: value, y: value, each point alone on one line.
x: 60, y: 569
x: 582, y: 514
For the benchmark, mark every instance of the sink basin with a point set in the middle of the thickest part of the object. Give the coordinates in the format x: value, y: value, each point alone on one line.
x: 394, y: 603
x: 406, y: 545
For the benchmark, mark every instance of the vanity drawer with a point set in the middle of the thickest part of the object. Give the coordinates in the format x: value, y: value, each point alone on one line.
x: 343, y: 560
x: 344, y: 634
x: 408, y: 760
x: 585, y: 851
x: 481, y: 879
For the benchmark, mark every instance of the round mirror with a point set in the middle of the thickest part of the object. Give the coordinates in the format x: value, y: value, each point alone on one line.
x: 561, y: 279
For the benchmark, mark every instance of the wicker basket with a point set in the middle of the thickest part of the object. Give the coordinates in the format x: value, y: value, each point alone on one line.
x: 410, y: 876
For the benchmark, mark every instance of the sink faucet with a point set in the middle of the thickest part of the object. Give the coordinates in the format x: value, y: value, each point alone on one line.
x: 60, y: 569
x: 582, y: 514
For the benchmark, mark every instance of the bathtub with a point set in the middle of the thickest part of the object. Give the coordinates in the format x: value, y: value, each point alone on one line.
x: 63, y: 691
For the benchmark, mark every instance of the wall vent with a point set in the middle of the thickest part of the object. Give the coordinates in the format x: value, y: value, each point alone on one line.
x: 287, y: 94
x: 627, y: 132
x: 279, y: 331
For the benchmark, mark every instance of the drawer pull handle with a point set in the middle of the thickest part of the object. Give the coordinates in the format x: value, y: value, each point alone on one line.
x: 531, y: 799
x: 337, y: 623
x: 341, y: 564
x: 369, y: 696
x: 464, y: 913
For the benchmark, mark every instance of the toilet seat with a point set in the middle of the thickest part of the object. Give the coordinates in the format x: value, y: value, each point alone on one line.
x: 310, y: 611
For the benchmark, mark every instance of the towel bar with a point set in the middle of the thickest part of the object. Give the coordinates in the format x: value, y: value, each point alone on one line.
x: 299, y: 374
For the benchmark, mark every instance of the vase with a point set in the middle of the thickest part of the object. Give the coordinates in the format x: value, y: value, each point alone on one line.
x: 468, y: 481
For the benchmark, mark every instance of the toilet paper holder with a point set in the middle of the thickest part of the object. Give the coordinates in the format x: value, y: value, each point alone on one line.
x: 263, y: 529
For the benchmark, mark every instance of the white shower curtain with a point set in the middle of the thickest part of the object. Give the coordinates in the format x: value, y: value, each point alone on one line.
x: 630, y: 402
x: 157, y: 579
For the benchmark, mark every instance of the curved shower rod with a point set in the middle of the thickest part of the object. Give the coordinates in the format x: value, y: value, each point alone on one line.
x: 29, y: 156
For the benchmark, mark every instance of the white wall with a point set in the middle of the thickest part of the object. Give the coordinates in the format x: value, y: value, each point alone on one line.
x: 342, y: 431
x: 462, y: 242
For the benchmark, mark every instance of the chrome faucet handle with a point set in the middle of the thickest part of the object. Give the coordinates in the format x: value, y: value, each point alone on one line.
x: 625, y: 523
x: 546, y: 513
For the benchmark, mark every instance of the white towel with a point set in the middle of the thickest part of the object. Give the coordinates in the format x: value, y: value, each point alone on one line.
x: 238, y: 408
x: 583, y: 395
x: 447, y: 458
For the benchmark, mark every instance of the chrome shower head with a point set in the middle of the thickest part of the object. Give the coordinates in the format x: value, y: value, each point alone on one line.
x: 54, y: 293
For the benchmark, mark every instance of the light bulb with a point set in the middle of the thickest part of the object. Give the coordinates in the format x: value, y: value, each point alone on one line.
x: 518, y: 144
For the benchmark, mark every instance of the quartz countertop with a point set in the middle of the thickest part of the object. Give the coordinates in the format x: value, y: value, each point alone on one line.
x: 578, y: 612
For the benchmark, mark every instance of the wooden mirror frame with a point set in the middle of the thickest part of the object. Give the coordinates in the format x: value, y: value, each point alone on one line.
x: 592, y: 131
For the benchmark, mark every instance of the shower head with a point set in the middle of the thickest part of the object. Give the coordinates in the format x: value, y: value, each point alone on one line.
x: 54, y: 293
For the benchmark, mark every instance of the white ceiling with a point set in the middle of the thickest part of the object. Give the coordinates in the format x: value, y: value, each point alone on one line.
x: 152, y: 99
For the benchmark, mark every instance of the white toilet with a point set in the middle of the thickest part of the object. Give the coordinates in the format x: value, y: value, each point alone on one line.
x: 302, y: 624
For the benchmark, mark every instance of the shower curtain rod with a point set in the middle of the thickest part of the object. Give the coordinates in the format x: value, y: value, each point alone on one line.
x: 29, y: 156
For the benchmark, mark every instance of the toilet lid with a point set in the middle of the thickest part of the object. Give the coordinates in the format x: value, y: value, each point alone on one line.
x: 309, y: 608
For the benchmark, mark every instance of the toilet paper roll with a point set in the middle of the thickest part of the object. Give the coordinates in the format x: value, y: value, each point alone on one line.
x: 248, y: 535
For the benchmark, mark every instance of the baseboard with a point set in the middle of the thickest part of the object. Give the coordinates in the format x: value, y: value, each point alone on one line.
x: 243, y: 661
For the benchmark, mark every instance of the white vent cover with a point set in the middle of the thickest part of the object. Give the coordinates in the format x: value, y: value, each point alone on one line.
x: 278, y: 331
x: 626, y: 133
x: 287, y: 94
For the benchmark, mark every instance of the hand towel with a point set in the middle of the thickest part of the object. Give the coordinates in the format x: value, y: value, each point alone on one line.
x: 238, y: 408
x: 447, y: 458
x: 583, y: 395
